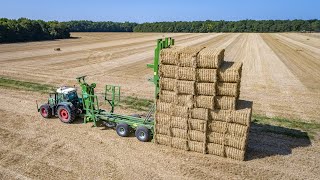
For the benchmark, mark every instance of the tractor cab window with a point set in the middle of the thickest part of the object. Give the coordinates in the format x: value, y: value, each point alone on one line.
x: 72, y: 95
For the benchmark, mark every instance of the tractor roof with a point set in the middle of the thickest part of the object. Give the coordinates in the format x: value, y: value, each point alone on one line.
x: 65, y: 89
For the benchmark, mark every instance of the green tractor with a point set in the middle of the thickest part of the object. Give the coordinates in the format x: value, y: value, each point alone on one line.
x: 64, y: 103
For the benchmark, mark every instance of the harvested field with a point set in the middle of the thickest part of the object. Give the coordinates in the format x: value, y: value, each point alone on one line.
x: 280, y: 74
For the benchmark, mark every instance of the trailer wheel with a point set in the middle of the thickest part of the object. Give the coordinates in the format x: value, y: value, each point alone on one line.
x: 143, y: 134
x: 45, y: 111
x: 66, y: 115
x: 122, y: 129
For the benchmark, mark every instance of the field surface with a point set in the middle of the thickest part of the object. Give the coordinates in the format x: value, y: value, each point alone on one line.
x: 281, y: 75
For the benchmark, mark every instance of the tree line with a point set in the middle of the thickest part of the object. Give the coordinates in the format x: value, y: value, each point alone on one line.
x: 24, y: 29
x: 231, y: 26
x: 103, y: 26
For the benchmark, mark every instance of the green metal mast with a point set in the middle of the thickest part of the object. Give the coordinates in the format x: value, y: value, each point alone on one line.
x: 161, y: 44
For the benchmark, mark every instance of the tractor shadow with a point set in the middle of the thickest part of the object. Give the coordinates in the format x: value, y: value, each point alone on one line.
x: 268, y: 140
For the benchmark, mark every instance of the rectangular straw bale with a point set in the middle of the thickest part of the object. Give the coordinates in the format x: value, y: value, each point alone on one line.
x: 228, y: 140
x: 188, y: 56
x: 200, y: 113
x: 207, y: 75
x: 216, y: 149
x: 167, y: 96
x: 184, y: 100
x: 179, y: 143
x: 237, y: 130
x: 167, y: 71
x: 170, y: 56
x: 208, y: 89
x: 185, y: 87
x: 164, y: 107
x: 179, y: 133
x: 163, y: 129
x: 228, y: 89
x: 196, y: 146
x: 236, y: 142
x: 210, y: 58
x: 196, y: 135
x: 225, y: 102
x: 205, y: 102
x: 218, y: 127
x: 180, y: 111
x: 234, y: 153
x: 242, y: 116
x: 163, y: 139
x: 162, y: 119
x: 167, y: 84
x: 179, y: 122
x: 216, y: 138
x: 230, y: 72
x: 197, y: 124
x: 186, y: 73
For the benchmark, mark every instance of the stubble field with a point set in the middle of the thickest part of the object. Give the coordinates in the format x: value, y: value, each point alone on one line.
x: 281, y: 75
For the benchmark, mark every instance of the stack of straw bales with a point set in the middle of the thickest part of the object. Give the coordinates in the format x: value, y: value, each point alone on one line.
x: 198, y: 107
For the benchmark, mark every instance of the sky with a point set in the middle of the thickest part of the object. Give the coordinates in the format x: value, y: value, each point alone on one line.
x: 160, y: 10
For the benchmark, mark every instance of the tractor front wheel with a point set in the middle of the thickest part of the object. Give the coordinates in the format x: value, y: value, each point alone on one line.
x: 45, y: 111
x: 123, y: 129
x: 66, y: 115
x: 143, y: 134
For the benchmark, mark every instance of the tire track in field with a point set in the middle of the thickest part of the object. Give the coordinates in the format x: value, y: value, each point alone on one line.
x: 267, y: 81
x: 304, y: 66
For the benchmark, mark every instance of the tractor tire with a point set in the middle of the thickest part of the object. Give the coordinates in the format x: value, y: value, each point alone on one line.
x: 45, y: 111
x: 123, y: 129
x: 65, y: 114
x: 143, y: 134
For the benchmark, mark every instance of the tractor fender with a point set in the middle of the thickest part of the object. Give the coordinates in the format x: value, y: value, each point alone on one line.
x: 67, y: 105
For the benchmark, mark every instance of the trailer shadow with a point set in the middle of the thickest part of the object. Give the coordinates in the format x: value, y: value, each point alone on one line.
x: 268, y: 140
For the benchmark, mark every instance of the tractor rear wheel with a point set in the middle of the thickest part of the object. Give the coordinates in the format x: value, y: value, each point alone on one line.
x: 122, y: 129
x: 143, y: 134
x: 65, y: 114
x: 45, y: 111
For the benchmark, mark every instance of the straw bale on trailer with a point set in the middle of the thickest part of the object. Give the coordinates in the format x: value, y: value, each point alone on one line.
x: 228, y: 89
x: 230, y: 72
x: 210, y: 58
x: 208, y: 89
x: 188, y: 56
x: 170, y: 56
